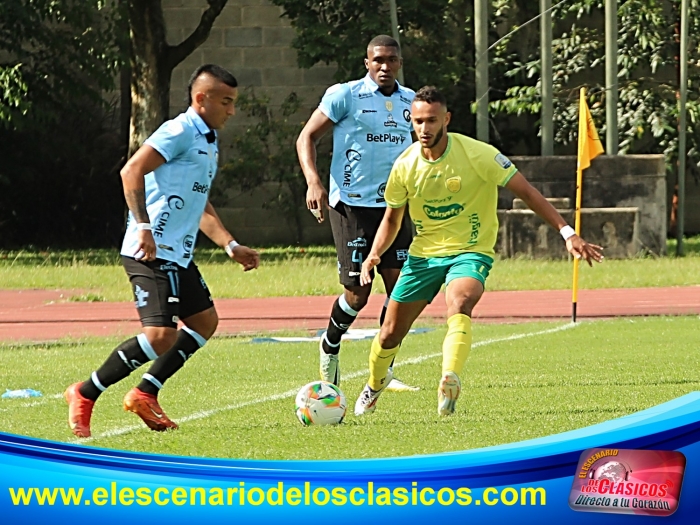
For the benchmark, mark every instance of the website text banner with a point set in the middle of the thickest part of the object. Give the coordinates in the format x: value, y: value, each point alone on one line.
x: 530, y: 481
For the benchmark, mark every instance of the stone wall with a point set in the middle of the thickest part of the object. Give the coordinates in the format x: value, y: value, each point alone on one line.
x: 637, y: 181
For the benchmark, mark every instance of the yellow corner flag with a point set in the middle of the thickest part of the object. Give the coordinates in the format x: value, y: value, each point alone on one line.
x: 589, y: 147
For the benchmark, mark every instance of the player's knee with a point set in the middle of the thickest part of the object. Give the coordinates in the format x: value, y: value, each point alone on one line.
x: 357, y: 301
x: 211, y: 324
x: 464, y: 304
x: 161, y: 339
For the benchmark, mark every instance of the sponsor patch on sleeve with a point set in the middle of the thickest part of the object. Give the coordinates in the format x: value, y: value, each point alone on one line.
x: 503, y: 161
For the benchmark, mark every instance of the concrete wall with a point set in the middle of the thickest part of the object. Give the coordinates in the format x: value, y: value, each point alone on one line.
x: 611, y: 182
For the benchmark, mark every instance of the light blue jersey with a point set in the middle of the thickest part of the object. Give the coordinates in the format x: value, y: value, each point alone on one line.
x: 177, y: 191
x: 371, y: 130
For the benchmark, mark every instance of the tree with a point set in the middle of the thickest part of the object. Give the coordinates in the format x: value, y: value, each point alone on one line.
x: 152, y: 62
x: 54, y: 53
x: 648, y: 54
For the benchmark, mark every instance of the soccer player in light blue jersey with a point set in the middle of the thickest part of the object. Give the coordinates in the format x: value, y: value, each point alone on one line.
x: 371, y: 123
x: 166, y: 185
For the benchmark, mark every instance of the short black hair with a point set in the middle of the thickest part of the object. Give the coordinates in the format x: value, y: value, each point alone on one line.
x: 217, y: 72
x: 384, y: 41
x: 430, y: 94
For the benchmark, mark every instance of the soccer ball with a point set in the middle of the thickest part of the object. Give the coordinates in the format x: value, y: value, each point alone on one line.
x: 320, y: 403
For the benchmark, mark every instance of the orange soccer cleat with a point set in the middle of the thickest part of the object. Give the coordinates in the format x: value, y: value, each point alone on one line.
x: 79, y: 411
x: 147, y: 408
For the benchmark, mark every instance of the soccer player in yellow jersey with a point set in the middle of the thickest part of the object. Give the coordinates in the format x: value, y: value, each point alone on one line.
x: 450, y: 184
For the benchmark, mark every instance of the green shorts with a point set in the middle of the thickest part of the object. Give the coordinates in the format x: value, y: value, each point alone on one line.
x: 421, y: 278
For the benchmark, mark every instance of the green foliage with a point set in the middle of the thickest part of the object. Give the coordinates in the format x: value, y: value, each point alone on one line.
x: 265, y: 155
x: 648, y: 54
x: 52, y: 54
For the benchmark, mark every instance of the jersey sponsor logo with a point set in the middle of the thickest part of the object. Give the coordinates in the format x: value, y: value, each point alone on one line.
x: 441, y: 213
x: 173, y: 299
x: 353, y: 155
x: 503, y: 161
x: 407, y: 115
x: 360, y: 242
x: 474, y: 234
x: 405, y: 100
x: 188, y: 244
x: 176, y: 202
x: 369, y: 111
x: 381, y: 189
x: 140, y: 296
x: 365, y: 95
x: 386, y: 137
x: 380, y: 199
x: 454, y: 184
x: 202, y: 152
x: 160, y: 224
x: 354, y: 196
x: 168, y: 267
x: 402, y: 255
x: 390, y: 122
x: 354, y: 274
x: 165, y: 247
x: 200, y: 188
x: 434, y: 201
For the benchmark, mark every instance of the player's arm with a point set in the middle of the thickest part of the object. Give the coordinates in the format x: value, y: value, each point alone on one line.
x: 316, y: 194
x: 144, y: 161
x: 579, y: 248
x: 210, y: 224
x: 386, y: 235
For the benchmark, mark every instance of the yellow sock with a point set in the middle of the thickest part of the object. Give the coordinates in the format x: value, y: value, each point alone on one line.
x: 457, y: 343
x: 379, y: 361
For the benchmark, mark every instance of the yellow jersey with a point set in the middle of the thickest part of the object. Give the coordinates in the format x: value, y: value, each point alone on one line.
x: 452, y: 200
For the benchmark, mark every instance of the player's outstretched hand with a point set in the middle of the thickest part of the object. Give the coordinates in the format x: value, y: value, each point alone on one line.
x: 317, y: 201
x: 246, y: 257
x: 582, y: 250
x: 372, y: 260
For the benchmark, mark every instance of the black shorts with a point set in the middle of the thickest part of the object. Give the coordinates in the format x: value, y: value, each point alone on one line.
x: 164, y: 292
x: 354, y: 228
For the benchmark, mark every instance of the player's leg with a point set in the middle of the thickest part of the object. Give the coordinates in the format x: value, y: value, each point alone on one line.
x: 385, y: 346
x: 465, y: 286
x: 152, y: 293
x: 418, y: 284
x: 200, y: 320
x: 351, y: 246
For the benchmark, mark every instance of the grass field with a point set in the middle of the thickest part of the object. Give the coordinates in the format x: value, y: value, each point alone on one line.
x: 235, y: 399
x: 96, y: 275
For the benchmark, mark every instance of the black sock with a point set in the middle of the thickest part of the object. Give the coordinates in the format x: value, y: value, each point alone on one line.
x: 171, y: 361
x: 382, y: 316
x: 125, y: 358
x: 338, y: 324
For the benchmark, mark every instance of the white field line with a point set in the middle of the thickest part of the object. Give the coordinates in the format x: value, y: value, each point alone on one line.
x: 291, y: 393
x: 34, y: 403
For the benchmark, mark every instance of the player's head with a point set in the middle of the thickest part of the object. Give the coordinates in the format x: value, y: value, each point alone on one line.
x: 212, y: 92
x: 383, y: 61
x: 430, y: 116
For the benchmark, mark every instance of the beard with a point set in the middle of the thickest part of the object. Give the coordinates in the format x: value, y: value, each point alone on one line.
x: 437, y: 138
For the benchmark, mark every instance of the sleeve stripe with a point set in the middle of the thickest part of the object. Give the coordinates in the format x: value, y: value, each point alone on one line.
x: 513, y: 171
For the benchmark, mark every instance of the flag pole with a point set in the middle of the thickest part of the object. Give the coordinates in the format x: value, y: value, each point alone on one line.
x: 577, y: 221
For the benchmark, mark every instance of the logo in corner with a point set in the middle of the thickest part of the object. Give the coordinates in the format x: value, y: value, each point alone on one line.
x: 619, y: 481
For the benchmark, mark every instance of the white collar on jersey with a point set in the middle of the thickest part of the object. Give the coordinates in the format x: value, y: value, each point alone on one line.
x: 373, y: 86
x: 199, y: 123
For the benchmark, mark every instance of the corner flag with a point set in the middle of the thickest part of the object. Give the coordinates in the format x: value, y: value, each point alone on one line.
x: 589, y: 147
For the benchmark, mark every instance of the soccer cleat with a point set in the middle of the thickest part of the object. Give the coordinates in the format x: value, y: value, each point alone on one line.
x: 367, y: 401
x: 396, y: 385
x: 448, y: 392
x: 147, y: 408
x: 329, y: 365
x: 79, y: 411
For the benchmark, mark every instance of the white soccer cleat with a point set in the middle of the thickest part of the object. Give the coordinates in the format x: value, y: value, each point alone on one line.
x: 367, y: 401
x: 396, y: 385
x: 448, y: 392
x: 329, y: 365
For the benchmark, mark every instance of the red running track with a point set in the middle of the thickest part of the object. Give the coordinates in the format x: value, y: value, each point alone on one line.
x: 44, y: 315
